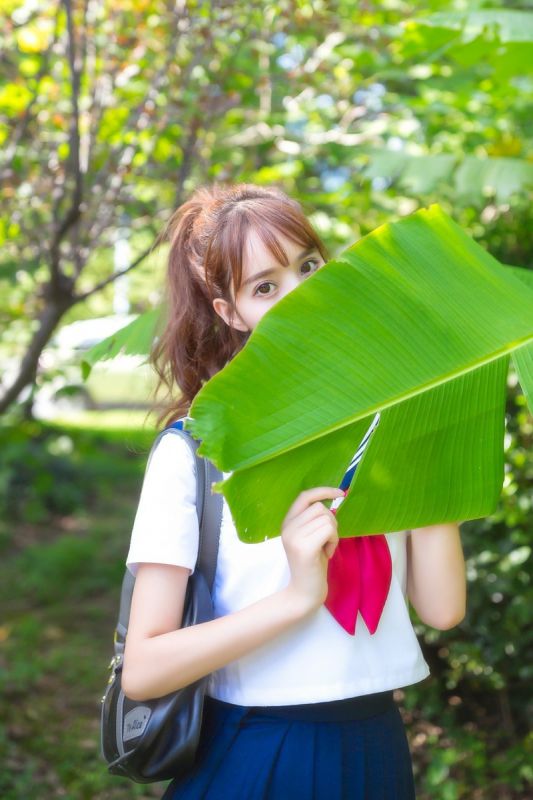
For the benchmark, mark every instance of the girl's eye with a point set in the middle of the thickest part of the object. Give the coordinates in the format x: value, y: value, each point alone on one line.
x: 263, y: 288
x: 309, y: 266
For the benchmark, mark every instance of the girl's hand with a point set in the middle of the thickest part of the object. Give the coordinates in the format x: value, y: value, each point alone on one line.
x: 309, y: 536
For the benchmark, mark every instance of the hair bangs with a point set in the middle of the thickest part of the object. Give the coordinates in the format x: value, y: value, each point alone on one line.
x: 269, y: 220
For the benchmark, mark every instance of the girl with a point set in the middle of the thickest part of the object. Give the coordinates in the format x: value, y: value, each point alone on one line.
x: 298, y: 706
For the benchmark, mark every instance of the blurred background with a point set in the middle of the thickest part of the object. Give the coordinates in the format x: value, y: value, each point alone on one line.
x: 110, y: 115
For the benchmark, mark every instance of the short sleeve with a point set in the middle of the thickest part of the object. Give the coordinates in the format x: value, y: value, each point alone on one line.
x: 165, y: 529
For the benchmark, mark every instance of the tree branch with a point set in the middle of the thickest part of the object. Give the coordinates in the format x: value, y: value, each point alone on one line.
x: 98, y: 286
x: 74, y: 212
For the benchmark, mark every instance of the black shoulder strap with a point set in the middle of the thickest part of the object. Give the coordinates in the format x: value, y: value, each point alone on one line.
x: 209, y: 510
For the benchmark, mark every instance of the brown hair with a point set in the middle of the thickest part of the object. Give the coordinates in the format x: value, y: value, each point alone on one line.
x: 207, y: 236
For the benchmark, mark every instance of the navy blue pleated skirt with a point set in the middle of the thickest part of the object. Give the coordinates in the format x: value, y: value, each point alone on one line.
x: 346, y: 750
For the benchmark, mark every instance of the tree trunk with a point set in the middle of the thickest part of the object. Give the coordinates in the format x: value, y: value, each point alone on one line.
x: 48, y: 321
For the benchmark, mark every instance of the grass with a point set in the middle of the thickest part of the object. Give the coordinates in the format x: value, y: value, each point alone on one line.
x: 113, y: 420
x: 60, y: 597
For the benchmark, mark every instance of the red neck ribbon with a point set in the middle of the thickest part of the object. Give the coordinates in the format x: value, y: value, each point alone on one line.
x: 359, y: 578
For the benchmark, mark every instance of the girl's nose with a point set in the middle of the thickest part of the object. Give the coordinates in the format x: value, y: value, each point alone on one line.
x: 290, y: 282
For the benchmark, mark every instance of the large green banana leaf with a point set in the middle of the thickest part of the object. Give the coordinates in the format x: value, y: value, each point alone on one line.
x: 415, y: 321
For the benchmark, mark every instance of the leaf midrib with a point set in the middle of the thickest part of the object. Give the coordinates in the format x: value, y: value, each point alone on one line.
x: 406, y: 395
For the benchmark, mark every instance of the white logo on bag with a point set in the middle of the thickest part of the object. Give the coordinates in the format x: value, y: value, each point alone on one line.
x: 135, y: 722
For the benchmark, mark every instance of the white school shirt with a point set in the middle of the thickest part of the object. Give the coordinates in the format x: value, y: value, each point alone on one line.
x: 316, y: 660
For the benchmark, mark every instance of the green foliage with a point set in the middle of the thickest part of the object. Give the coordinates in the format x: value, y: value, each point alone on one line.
x: 478, y: 702
x: 364, y: 115
x: 59, y: 589
x: 48, y: 471
x: 36, y: 478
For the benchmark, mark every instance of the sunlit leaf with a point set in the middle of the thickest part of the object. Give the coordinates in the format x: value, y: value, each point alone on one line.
x: 134, y: 339
x: 472, y: 177
x: 509, y: 25
x: 499, y: 176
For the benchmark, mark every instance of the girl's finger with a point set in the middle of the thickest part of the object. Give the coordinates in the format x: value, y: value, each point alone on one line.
x: 320, y: 534
x: 309, y: 496
x: 330, y: 547
x: 314, y: 511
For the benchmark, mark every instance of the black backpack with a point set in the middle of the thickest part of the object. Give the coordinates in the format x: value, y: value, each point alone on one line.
x: 156, y: 740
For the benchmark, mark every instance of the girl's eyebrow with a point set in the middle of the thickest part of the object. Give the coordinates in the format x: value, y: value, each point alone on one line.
x: 266, y: 272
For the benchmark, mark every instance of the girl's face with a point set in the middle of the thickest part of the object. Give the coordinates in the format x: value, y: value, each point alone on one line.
x: 265, y: 281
